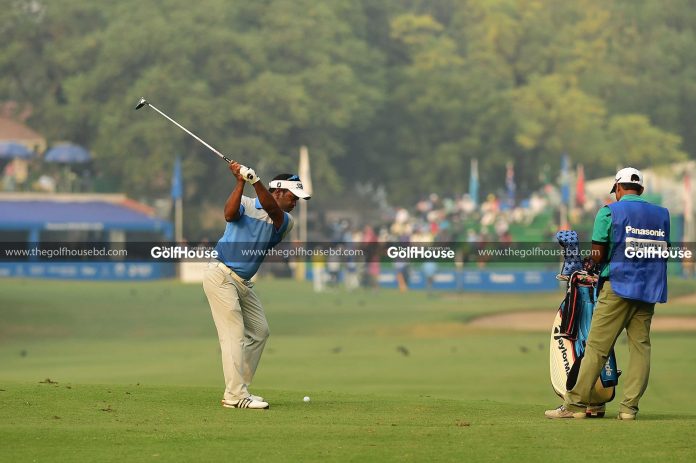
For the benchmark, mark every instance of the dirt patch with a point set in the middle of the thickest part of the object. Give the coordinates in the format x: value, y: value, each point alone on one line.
x: 530, y: 321
x: 541, y: 321
x: 687, y: 299
x: 31, y: 331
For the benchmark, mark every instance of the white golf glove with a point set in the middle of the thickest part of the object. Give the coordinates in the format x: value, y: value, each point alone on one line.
x: 249, y: 174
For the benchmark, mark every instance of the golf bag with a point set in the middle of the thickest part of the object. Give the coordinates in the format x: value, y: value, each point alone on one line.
x: 572, y: 326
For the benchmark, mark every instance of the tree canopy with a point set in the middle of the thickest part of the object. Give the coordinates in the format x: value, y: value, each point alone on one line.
x: 398, y: 93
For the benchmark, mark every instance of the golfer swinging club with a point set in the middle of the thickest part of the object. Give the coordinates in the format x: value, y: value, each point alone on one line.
x: 253, y: 227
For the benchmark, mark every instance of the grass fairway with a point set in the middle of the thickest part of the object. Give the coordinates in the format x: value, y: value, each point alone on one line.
x: 135, y: 375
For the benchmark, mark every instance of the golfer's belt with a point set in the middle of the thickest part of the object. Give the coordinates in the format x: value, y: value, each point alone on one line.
x: 234, y: 275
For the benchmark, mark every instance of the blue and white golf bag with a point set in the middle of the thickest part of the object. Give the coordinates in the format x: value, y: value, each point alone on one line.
x: 572, y: 326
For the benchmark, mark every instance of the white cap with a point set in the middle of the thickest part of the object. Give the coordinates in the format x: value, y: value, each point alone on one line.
x: 628, y: 175
x: 293, y: 184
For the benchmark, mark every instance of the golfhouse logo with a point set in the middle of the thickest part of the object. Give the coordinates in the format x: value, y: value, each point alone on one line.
x: 420, y: 252
x: 644, y: 248
x: 182, y: 252
x: 653, y: 250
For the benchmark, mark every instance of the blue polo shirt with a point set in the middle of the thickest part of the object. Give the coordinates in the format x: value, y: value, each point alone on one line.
x: 246, y: 240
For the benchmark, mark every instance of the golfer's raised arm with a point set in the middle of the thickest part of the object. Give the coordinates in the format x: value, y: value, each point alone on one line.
x: 234, y: 200
x: 269, y: 205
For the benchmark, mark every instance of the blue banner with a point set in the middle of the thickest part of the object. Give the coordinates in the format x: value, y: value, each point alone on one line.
x: 484, y: 281
x: 565, y: 179
x: 177, y: 180
x: 89, y: 271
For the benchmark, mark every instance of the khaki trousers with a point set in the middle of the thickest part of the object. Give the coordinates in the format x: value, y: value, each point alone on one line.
x: 241, y: 326
x: 611, y: 315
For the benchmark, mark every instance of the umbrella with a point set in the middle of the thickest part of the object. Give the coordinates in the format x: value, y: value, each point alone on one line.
x: 11, y: 150
x: 67, y: 153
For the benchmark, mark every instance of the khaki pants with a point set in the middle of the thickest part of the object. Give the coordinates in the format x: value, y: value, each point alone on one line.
x: 611, y: 315
x: 241, y: 326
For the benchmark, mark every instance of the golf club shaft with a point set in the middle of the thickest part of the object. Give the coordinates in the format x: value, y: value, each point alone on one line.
x: 229, y: 161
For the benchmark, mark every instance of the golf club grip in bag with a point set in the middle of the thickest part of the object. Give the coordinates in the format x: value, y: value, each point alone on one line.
x: 580, y: 297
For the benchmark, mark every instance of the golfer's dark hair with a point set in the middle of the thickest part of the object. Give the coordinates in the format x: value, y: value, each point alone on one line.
x: 283, y: 177
x: 631, y: 186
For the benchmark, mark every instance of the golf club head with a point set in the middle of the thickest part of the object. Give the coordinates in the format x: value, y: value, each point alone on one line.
x: 141, y: 103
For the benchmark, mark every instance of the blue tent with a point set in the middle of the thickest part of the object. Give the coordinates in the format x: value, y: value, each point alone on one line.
x: 11, y: 150
x: 41, y: 219
x: 77, y: 215
x: 68, y: 153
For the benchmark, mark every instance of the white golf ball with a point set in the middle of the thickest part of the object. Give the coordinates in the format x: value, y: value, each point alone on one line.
x: 306, y: 399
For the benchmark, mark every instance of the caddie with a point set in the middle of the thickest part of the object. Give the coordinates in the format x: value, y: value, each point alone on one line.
x: 629, y: 288
x: 253, y: 227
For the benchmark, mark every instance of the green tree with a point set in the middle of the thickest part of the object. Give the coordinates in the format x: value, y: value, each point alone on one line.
x: 255, y: 80
x: 397, y: 93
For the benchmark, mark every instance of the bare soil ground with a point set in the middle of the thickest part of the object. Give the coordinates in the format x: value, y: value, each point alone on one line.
x: 541, y: 321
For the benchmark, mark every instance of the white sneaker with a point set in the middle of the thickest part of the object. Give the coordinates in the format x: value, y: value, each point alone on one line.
x: 562, y: 412
x: 256, y: 397
x: 626, y: 416
x: 246, y: 402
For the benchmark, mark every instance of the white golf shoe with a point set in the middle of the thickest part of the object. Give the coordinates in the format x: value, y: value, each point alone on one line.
x: 246, y: 402
x: 562, y: 412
